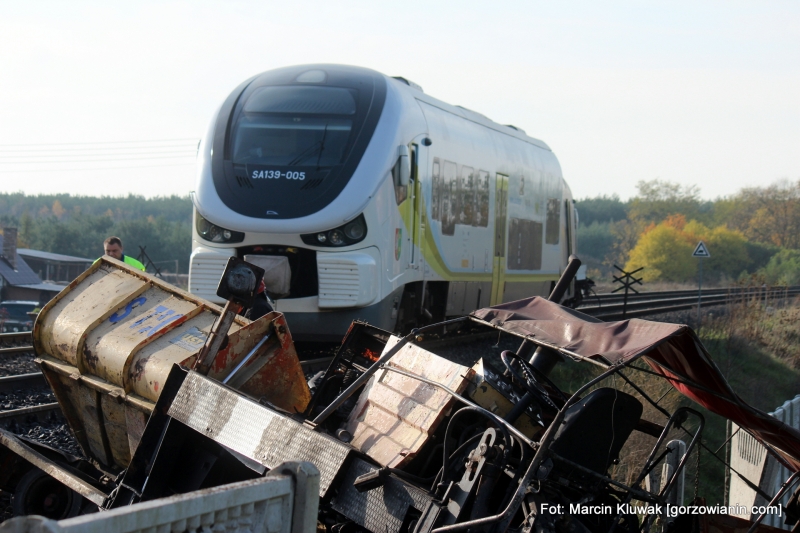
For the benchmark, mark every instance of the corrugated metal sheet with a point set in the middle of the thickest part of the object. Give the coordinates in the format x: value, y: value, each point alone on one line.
x: 750, y: 458
x: 776, y: 474
x: 38, y: 254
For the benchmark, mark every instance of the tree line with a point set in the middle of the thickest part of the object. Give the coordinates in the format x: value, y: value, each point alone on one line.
x: 754, y: 234
x: 78, y: 225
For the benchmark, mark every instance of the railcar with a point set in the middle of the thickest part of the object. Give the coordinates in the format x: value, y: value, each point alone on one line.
x: 365, y: 198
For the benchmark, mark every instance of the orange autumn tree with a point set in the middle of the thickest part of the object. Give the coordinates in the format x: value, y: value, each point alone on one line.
x: 665, y: 250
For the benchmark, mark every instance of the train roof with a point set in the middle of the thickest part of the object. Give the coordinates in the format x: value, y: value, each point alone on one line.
x: 468, y: 114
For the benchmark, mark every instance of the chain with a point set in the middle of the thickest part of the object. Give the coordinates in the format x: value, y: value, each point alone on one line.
x: 697, y: 474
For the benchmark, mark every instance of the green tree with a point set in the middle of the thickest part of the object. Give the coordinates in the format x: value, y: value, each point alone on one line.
x: 728, y: 249
x: 783, y: 268
x: 601, y: 209
x: 595, y: 240
x: 626, y: 234
x: 665, y: 253
x: 657, y: 199
x: 771, y: 214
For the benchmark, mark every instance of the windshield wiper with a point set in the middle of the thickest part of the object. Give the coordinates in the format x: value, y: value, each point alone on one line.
x: 308, y: 152
x: 322, y: 145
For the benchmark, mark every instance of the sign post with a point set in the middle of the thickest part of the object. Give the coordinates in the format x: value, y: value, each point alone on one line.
x: 700, y: 252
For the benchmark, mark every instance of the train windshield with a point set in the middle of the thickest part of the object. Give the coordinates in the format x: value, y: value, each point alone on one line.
x: 290, y: 126
x: 287, y: 142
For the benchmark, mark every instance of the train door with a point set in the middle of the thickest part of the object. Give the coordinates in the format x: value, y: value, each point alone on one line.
x: 500, y: 216
x: 568, y: 217
x: 418, y: 162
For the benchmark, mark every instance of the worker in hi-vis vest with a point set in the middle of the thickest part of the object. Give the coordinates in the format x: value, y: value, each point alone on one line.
x: 113, y: 248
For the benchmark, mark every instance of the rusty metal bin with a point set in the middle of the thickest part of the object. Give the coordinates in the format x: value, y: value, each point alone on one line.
x: 107, y: 342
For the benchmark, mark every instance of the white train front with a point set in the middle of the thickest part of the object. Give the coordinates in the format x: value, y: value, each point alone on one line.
x: 364, y: 198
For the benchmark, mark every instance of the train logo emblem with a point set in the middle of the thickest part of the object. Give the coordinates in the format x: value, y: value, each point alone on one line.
x: 398, y: 243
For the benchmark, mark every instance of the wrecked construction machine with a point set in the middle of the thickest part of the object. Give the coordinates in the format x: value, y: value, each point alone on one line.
x: 167, y: 394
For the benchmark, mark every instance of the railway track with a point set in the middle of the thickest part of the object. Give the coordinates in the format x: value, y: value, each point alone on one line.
x: 18, y: 392
x: 19, y: 342
x: 604, y: 306
x: 42, y: 413
x: 611, y: 306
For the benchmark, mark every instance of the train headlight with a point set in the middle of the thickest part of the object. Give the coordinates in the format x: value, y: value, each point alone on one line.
x: 336, y: 238
x: 213, y: 233
x: 351, y: 233
x: 355, y: 230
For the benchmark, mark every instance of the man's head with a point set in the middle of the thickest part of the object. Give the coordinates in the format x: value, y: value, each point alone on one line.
x: 113, y: 247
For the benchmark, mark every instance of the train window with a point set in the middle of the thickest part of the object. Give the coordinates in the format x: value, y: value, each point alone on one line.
x: 290, y: 141
x: 435, y: 190
x: 524, y: 245
x: 482, y: 200
x: 466, y: 186
x: 400, y: 191
x: 302, y: 100
x: 553, y: 227
x: 450, y: 208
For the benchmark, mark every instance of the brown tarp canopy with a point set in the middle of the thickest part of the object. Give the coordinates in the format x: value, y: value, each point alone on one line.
x: 672, y: 350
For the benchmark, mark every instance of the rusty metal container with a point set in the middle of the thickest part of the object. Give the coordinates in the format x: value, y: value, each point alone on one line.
x: 107, y: 342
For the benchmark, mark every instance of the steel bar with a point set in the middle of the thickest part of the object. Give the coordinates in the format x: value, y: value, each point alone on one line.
x: 246, y: 358
x: 15, y: 349
x: 23, y: 381
x: 17, y: 336
x: 65, y: 476
x: 778, y: 495
x: 24, y: 412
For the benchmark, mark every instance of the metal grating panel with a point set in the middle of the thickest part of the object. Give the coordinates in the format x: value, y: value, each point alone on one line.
x: 338, y: 281
x: 381, y: 509
x: 254, y: 430
x: 204, y: 274
x: 750, y: 458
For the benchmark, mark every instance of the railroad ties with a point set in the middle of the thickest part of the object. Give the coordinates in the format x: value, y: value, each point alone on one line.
x: 20, y: 342
x: 25, y: 398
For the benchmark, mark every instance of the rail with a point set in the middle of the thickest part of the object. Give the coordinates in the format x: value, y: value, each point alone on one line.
x: 19, y: 336
x: 41, y: 413
x: 602, y: 306
x: 17, y: 342
x: 610, y: 307
x: 34, y: 380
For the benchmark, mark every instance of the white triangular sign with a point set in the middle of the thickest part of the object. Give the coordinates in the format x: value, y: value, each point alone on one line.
x: 701, y: 250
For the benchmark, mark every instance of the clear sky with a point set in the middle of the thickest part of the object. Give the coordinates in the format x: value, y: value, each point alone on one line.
x: 695, y: 92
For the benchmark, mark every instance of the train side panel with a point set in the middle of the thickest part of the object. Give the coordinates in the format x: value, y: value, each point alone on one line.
x: 495, y: 213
